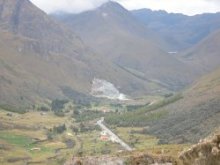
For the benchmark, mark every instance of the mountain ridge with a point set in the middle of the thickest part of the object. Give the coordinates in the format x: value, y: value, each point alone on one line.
x: 52, y: 57
x: 205, y: 55
x: 180, y: 31
x: 125, y: 41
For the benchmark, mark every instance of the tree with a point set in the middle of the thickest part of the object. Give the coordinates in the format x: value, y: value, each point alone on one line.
x: 59, y: 129
x: 58, y: 105
x: 75, y: 129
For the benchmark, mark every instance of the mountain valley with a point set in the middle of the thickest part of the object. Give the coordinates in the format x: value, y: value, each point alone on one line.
x: 150, y: 78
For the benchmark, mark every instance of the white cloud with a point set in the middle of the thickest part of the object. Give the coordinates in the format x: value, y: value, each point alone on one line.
x: 73, y: 6
x: 178, y: 6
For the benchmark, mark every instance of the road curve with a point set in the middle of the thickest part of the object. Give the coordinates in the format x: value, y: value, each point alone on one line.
x: 118, y: 140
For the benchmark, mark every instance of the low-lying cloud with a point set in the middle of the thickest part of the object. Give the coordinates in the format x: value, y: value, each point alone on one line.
x: 71, y: 6
x: 176, y: 6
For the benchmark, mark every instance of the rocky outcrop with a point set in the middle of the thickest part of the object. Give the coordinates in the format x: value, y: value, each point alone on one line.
x: 140, y: 159
x: 207, y: 152
x: 146, y: 159
x: 96, y: 161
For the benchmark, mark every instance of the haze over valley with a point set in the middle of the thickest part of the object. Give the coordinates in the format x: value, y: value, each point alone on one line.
x: 108, y: 85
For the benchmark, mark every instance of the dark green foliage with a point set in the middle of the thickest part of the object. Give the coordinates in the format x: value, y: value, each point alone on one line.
x: 142, y: 116
x: 165, y: 102
x: 14, y: 109
x: 75, y: 129
x: 83, y: 127
x: 77, y: 97
x: 58, y: 105
x: 44, y: 108
x: 59, y: 129
x: 134, y: 119
x: 168, y: 95
x: 86, y: 115
x: 86, y: 128
x: 135, y: 107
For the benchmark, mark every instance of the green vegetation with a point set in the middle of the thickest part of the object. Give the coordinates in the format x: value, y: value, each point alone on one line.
x: 77, y: 97
x: 18, y: 140
x: 164, y: 102
x: 58, y: 105
x: 135, y: 107
x: 59, y: 129
x: 43, y: 137
x: 13, y: 109
x: 87, y: 115
x: 142, y: 116
x: 43, y: 108
x: 134, y: 118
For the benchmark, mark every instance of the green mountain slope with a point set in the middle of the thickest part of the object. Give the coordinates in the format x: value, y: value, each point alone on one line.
x: 193, y: 117
x: 181, y: 118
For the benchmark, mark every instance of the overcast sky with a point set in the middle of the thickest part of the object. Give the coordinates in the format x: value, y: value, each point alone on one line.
x: 189, y: 7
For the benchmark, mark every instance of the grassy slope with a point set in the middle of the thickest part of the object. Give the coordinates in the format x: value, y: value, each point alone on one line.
x: 17, y: 134
x: 193, y: 117
x: 27, y: 77
x: 205, y: 55
x: 181, y: 118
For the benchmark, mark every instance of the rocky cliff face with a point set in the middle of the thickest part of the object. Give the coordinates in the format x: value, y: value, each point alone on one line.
x: 207, y: 152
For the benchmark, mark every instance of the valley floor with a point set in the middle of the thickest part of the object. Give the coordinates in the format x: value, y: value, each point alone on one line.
x: 31, y: 138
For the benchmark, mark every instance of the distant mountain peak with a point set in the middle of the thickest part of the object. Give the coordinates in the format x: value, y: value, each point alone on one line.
x: 111, y: 5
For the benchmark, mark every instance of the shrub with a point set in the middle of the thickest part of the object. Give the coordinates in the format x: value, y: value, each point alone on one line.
x: 58, y: 105
x: 59, y: 129
x: 44, y: 108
